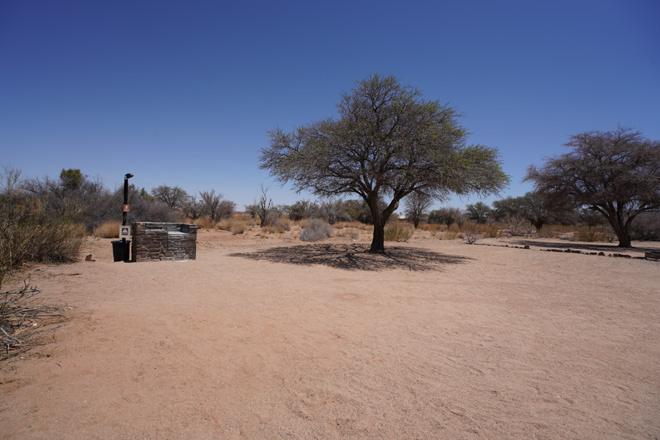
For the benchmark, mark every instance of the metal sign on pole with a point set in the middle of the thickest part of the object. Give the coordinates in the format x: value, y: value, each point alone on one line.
x: 124, y: 232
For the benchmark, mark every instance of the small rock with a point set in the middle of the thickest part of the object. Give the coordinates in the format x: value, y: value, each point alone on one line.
x: 89, y: 258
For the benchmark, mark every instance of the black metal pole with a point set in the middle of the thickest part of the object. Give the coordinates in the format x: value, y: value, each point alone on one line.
x: 124, y: 212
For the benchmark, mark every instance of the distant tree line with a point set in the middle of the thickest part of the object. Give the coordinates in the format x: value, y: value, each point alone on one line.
x: 80, y: 199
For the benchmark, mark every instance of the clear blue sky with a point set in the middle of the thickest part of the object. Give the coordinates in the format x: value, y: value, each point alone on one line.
x: 183, y: 92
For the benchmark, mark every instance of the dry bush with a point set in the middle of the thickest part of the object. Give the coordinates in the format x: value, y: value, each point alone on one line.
x: 595, y: 233
x: 28, y: 233
x: 399, y: 231
x: 238, y: 227
x: 556, y: 231
x: 277, y: 226
x: 449, y: 235
x: 351, y: 233
x: 315, y: 230
x: 646, y: 226
x: 22, y: 315
x: 204, y: 222
x: 107, y: 230
x: 355, y: 225
x: 488, y: 231
x: 431, y: 228
x: 226, y: 224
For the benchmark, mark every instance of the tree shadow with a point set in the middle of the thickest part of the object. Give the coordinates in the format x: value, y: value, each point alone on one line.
x: 355, y: 257
x: 584, y: 246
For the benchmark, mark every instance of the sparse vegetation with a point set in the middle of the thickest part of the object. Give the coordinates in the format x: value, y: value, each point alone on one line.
x: 315, y: 230
x: 107, y: 230
x: 399, y: 231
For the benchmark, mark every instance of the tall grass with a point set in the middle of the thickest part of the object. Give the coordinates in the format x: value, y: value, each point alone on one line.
x: 107, y: 230
x: 399, y: 231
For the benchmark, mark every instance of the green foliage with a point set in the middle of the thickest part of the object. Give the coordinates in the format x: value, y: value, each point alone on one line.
x: 71, y: 179
x: 302, y: 209
x: 479, y: 212
x: 387, y: 142
x: 173, y: 196
x: 446, y: 216
x: 615, y: 173
x: 530, y: 207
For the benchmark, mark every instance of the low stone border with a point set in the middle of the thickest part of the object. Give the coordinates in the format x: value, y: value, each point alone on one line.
x: 649, y: 256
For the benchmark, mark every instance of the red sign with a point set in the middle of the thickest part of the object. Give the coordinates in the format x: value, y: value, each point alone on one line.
x: 127, y: 208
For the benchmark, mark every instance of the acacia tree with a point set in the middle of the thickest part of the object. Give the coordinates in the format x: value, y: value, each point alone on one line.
x: 172, y: 196
x: 479, y: 212
x: 530, y: 207
x: 614, y: 173
x: 387, y: 142
x: 446, y: 216
x: 416, y: 205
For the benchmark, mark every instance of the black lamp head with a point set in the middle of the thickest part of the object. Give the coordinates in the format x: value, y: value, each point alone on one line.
x: 128, y: 175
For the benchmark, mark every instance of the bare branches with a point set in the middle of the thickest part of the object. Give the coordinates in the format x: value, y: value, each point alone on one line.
x: 21, y: 316
x: 388, y: 141
x: 616, y: 173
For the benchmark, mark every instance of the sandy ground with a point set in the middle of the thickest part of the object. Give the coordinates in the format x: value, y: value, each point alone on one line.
x: 261, y: 338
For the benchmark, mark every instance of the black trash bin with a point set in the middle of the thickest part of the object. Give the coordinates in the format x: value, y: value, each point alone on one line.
x: 121, y: 251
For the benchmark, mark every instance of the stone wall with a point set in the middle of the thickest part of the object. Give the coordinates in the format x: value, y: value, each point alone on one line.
x: 164, y: 241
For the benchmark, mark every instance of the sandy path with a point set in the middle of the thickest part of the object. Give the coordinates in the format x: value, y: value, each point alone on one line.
x: 493, y: 343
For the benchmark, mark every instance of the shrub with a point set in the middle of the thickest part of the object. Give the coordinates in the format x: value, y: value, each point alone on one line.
x: 204, y: 222
x: 107, y: 230
x: 646, y: 226
x: 315, y: 230
x: 399, y: 231
x: 28, y: 233
x: 277, y: 225
x: 238, y: 227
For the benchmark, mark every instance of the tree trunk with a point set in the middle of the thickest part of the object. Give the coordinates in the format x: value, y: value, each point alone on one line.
x: 621, y: 231
x: 378, y: 242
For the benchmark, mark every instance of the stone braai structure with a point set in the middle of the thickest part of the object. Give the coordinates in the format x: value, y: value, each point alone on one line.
x: 164, y: 241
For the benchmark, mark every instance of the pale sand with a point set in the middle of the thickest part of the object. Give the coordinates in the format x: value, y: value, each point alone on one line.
x: 491, y: 342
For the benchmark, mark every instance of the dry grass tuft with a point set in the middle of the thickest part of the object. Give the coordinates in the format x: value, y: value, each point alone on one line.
x: 355, y: 225
x: 205, y: 222
x: 399, y: 231
x: 107, y: 230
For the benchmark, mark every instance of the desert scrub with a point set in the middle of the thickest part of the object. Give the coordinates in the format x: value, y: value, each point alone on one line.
x: 205, y: 222
x: 356, y: 225
x: 399, y: 231
x: 277, y: 226
x: 107, y: 230
x: 594, y: 233
x: 315, y: 230
x: 431, y: 228
x: 238, y: 227
x: 351, y: 233
x: 28, y: 233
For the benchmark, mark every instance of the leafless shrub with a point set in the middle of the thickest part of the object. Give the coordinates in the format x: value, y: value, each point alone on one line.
x: 21, y: 315
x: 471, y: 233
x: 315, y: 230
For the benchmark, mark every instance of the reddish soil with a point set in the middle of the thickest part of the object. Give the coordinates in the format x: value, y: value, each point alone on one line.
x: 259, y: 338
